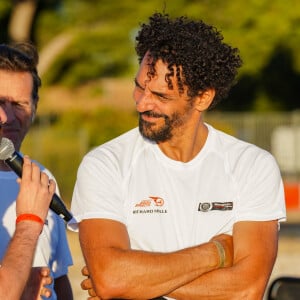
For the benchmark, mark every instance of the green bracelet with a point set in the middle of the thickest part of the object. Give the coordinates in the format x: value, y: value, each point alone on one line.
x: 221, y: 252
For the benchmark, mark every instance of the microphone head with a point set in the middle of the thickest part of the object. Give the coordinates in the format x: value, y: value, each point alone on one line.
x: 7, y: 148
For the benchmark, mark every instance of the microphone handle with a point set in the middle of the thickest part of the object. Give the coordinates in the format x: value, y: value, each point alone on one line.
x: 15, y: 162
x: 58, y: 206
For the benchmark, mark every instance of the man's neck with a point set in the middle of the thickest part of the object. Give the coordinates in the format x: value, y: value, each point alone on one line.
x: 185, y: 147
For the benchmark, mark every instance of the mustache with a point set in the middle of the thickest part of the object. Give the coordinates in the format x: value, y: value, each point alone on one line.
x: 152, y: 114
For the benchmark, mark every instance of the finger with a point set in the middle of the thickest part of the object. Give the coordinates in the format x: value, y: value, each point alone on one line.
x: 52, y: 186
x: 45, y: 271
x: 92, y: 292
x: 44, y: 179
x: 85, y: 271
x: 26, y: 170
x: 45, y: 292
x: 86, y: 284
x: 36, y: 172
x: 46, y: 276
x: 47, y: 280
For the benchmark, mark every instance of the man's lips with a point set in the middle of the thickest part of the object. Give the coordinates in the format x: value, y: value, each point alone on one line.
x: 150, y: 117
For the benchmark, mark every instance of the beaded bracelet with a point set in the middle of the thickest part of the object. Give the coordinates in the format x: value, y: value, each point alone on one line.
x: 221, y: 252
x: 29, y: 217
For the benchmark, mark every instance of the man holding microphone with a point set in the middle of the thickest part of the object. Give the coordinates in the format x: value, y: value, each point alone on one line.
x: 36, y: 191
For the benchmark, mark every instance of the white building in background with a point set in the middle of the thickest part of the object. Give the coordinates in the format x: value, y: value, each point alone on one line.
x: 285, y: 146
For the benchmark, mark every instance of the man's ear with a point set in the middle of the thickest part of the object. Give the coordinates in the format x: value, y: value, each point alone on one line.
x: 204, y: 99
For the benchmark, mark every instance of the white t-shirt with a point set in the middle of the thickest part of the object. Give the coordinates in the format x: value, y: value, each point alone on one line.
x: 52, y: 248
x: 165, y: 204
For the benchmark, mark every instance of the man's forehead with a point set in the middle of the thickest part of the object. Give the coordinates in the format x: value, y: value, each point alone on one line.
x: 159, y: 69
x: 15, y: 86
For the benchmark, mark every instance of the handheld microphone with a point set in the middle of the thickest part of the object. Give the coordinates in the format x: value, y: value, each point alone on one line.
x: 15, y: 161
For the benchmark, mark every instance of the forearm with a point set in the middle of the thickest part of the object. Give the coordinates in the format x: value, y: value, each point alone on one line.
x: 237, y: 282
x: 139, y: 275
x: 219, y: 284
x: 252, y: 266
x: 17, y: 262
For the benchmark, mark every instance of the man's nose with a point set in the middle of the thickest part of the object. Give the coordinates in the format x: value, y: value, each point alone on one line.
x: 144, y: 102
x: 3, y: 116
x: 7, y: 112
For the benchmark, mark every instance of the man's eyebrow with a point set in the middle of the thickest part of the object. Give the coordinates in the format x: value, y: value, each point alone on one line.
x: 159, y: 94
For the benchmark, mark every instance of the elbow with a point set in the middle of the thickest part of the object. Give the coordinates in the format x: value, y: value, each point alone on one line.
x: 253, y: 291
x: 110, y: 287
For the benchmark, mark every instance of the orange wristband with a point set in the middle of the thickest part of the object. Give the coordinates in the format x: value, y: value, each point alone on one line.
x: 29, y: 217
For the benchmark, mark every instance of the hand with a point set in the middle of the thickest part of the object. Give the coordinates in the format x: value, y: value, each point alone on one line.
x: 36, y: 284
x: 87, y: 284
x: 36, y: 190
x: 227, y: 243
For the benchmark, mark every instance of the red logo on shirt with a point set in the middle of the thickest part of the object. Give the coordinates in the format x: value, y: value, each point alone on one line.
x: 157, y: 201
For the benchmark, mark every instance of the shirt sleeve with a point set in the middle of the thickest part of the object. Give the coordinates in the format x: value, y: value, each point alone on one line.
x: 98, y: 189
x: 261, y: 193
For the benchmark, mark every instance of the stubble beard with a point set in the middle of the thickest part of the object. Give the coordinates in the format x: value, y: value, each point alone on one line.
x: 164, y: 132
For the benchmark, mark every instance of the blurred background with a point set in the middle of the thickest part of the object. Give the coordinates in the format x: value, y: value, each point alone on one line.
x: 87, y: 65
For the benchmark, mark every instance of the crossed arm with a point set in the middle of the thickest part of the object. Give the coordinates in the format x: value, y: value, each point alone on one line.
x: 116, y: 271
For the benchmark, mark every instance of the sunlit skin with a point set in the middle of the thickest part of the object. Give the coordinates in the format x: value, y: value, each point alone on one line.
x: 17, y: 104
x: 171, y: 119
x: 3, y: 117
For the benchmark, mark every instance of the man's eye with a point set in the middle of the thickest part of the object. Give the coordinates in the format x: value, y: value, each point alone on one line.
x: 20, y: 105
x: 17, y: 105
x: 162, y: 98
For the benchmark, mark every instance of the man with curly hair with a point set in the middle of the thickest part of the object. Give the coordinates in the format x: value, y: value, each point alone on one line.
x: 176, y: 209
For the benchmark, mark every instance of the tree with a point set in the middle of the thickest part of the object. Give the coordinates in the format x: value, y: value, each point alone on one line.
x: 21, y: 20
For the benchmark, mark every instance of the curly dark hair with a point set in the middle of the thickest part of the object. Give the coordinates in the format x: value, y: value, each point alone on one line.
x: 194, y: 52
x: 21, y: 57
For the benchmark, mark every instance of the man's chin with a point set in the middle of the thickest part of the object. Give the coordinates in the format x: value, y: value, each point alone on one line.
x: 147, y: 132
x: 154, y: 136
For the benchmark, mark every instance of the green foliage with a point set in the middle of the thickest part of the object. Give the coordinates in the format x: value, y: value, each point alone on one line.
x: 94, y: 53
x: 103, y: 33
x: 5, y: 6
x: 100, y: 125
x: 103, y: 45
x: 5, y: 9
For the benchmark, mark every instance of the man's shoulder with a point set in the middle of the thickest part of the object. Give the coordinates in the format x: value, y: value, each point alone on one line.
x: 234, y: 147
x: 119, y: 153
x: 239, y: 152
x: 229, y: 141
x: 124, y: 143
